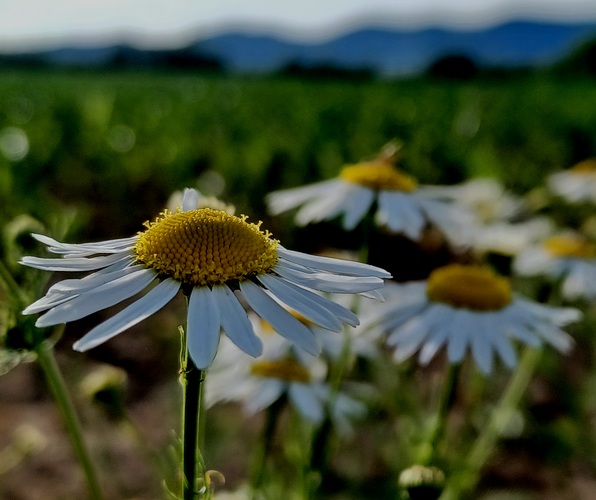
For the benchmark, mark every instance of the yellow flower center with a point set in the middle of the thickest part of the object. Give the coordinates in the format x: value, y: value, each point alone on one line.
x: 287, y: 370
x: 205, y: 247
x: 585, y: 167
x: 378, y: 175
x: 469, y: 287
x: 570, y: 246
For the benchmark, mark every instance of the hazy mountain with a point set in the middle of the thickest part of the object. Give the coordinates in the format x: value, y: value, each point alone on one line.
x: 387, y: 51
x: 401, y: 51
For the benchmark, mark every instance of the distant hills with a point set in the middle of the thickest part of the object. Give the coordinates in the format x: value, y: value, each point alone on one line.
x: 383, y: 51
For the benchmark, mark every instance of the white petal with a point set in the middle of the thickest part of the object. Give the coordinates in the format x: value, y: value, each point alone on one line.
x: 505, y: 350
x: 99, y: 298
x: 235, y: 322
x: 306, y: 402
x: 83, y: 249
x: 400, y: 213
x: 481, y: 341
x: 331, y: 265
x: 203, y: 327
x: 420, y: 326
x: 287, y: 199
x: 190, y: 200
x: 433, y: 343
x: 555, y: 337
x: 279, y: 318
x: 301, y: 300
x: 462, y: 327
x: 326, y: 207
x: 73, y: 263
x: 147, y: 305
x: 96, y: 279
x: 326, y: 282
x: 360, y: 203
x: 269, y: 391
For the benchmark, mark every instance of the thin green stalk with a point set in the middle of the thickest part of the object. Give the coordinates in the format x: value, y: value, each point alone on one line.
x: 47, y: 361
x: 191, y: 456
x: 445, y: 404
x: 266, y: 445
x: 193, y: 381
x: 500, y: 418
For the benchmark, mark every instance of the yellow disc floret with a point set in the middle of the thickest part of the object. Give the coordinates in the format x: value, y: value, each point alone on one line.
x: 378, y: 175
x: 469, y: 287
x: 287, y: 370
x: 587, y: 167
x: 570, y: 246
x: 205, y: 247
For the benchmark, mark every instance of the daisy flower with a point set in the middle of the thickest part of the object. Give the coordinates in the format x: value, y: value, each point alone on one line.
x: 577, y: 184
x: 502, y: 226
x: 403, y: 207
x: 466, y: 307
x: 214, y: 258
x: 279, y: 372
x: 569, y: 257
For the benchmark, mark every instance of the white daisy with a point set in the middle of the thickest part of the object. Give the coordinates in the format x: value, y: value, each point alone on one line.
x: 214, y: 258
x: 500, y: 215
x: 485, y: 197
x: 569, y: 257
x: 402, y: 206
x: 577, y: 184
x: 466, y: 307
x: 279, y: 372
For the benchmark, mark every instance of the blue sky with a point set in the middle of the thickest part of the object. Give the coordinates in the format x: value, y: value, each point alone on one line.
x: 26, y: 24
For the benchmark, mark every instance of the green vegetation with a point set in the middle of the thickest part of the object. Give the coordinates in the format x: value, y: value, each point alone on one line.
x: 124, y: 141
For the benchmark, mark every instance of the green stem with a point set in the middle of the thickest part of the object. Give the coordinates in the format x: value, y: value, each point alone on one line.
x: 47, y: 361
x: 266, y: 445
x: 500, y: 418
x: 191, y: 457
x: 445, y: 405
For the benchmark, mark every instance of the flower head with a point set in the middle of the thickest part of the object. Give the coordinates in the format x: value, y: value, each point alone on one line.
x: 213, y: 257
x: 502, y: 225
x: 280, y: 372
x: 403, y: 207
x: 577, y: 184
x: 463, y: 307
x: 569, y: 257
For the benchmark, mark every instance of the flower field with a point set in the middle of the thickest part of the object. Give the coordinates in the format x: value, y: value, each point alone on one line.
x: 469, y: 374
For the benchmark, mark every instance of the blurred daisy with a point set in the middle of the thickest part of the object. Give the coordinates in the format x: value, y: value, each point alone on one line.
x: 278, y: 373
x: 502, y: 226
x: 576, y: 184
x: 211, y: 256
x: 487, y: 198
x: 569, y: 257
x: 403, y: 207
x: 466, y: 307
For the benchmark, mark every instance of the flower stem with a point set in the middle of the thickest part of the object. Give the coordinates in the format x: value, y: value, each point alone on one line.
x: 445, y: 405
x: 266, y: 444
x: 191, y: 455
x: 500, y: 418
x: 53, y: 376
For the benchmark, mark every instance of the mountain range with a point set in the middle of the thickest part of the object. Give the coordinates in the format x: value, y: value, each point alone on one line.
x: 385, y: 51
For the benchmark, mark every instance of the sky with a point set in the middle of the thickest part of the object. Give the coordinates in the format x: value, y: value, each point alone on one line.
x: 30, y: 24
